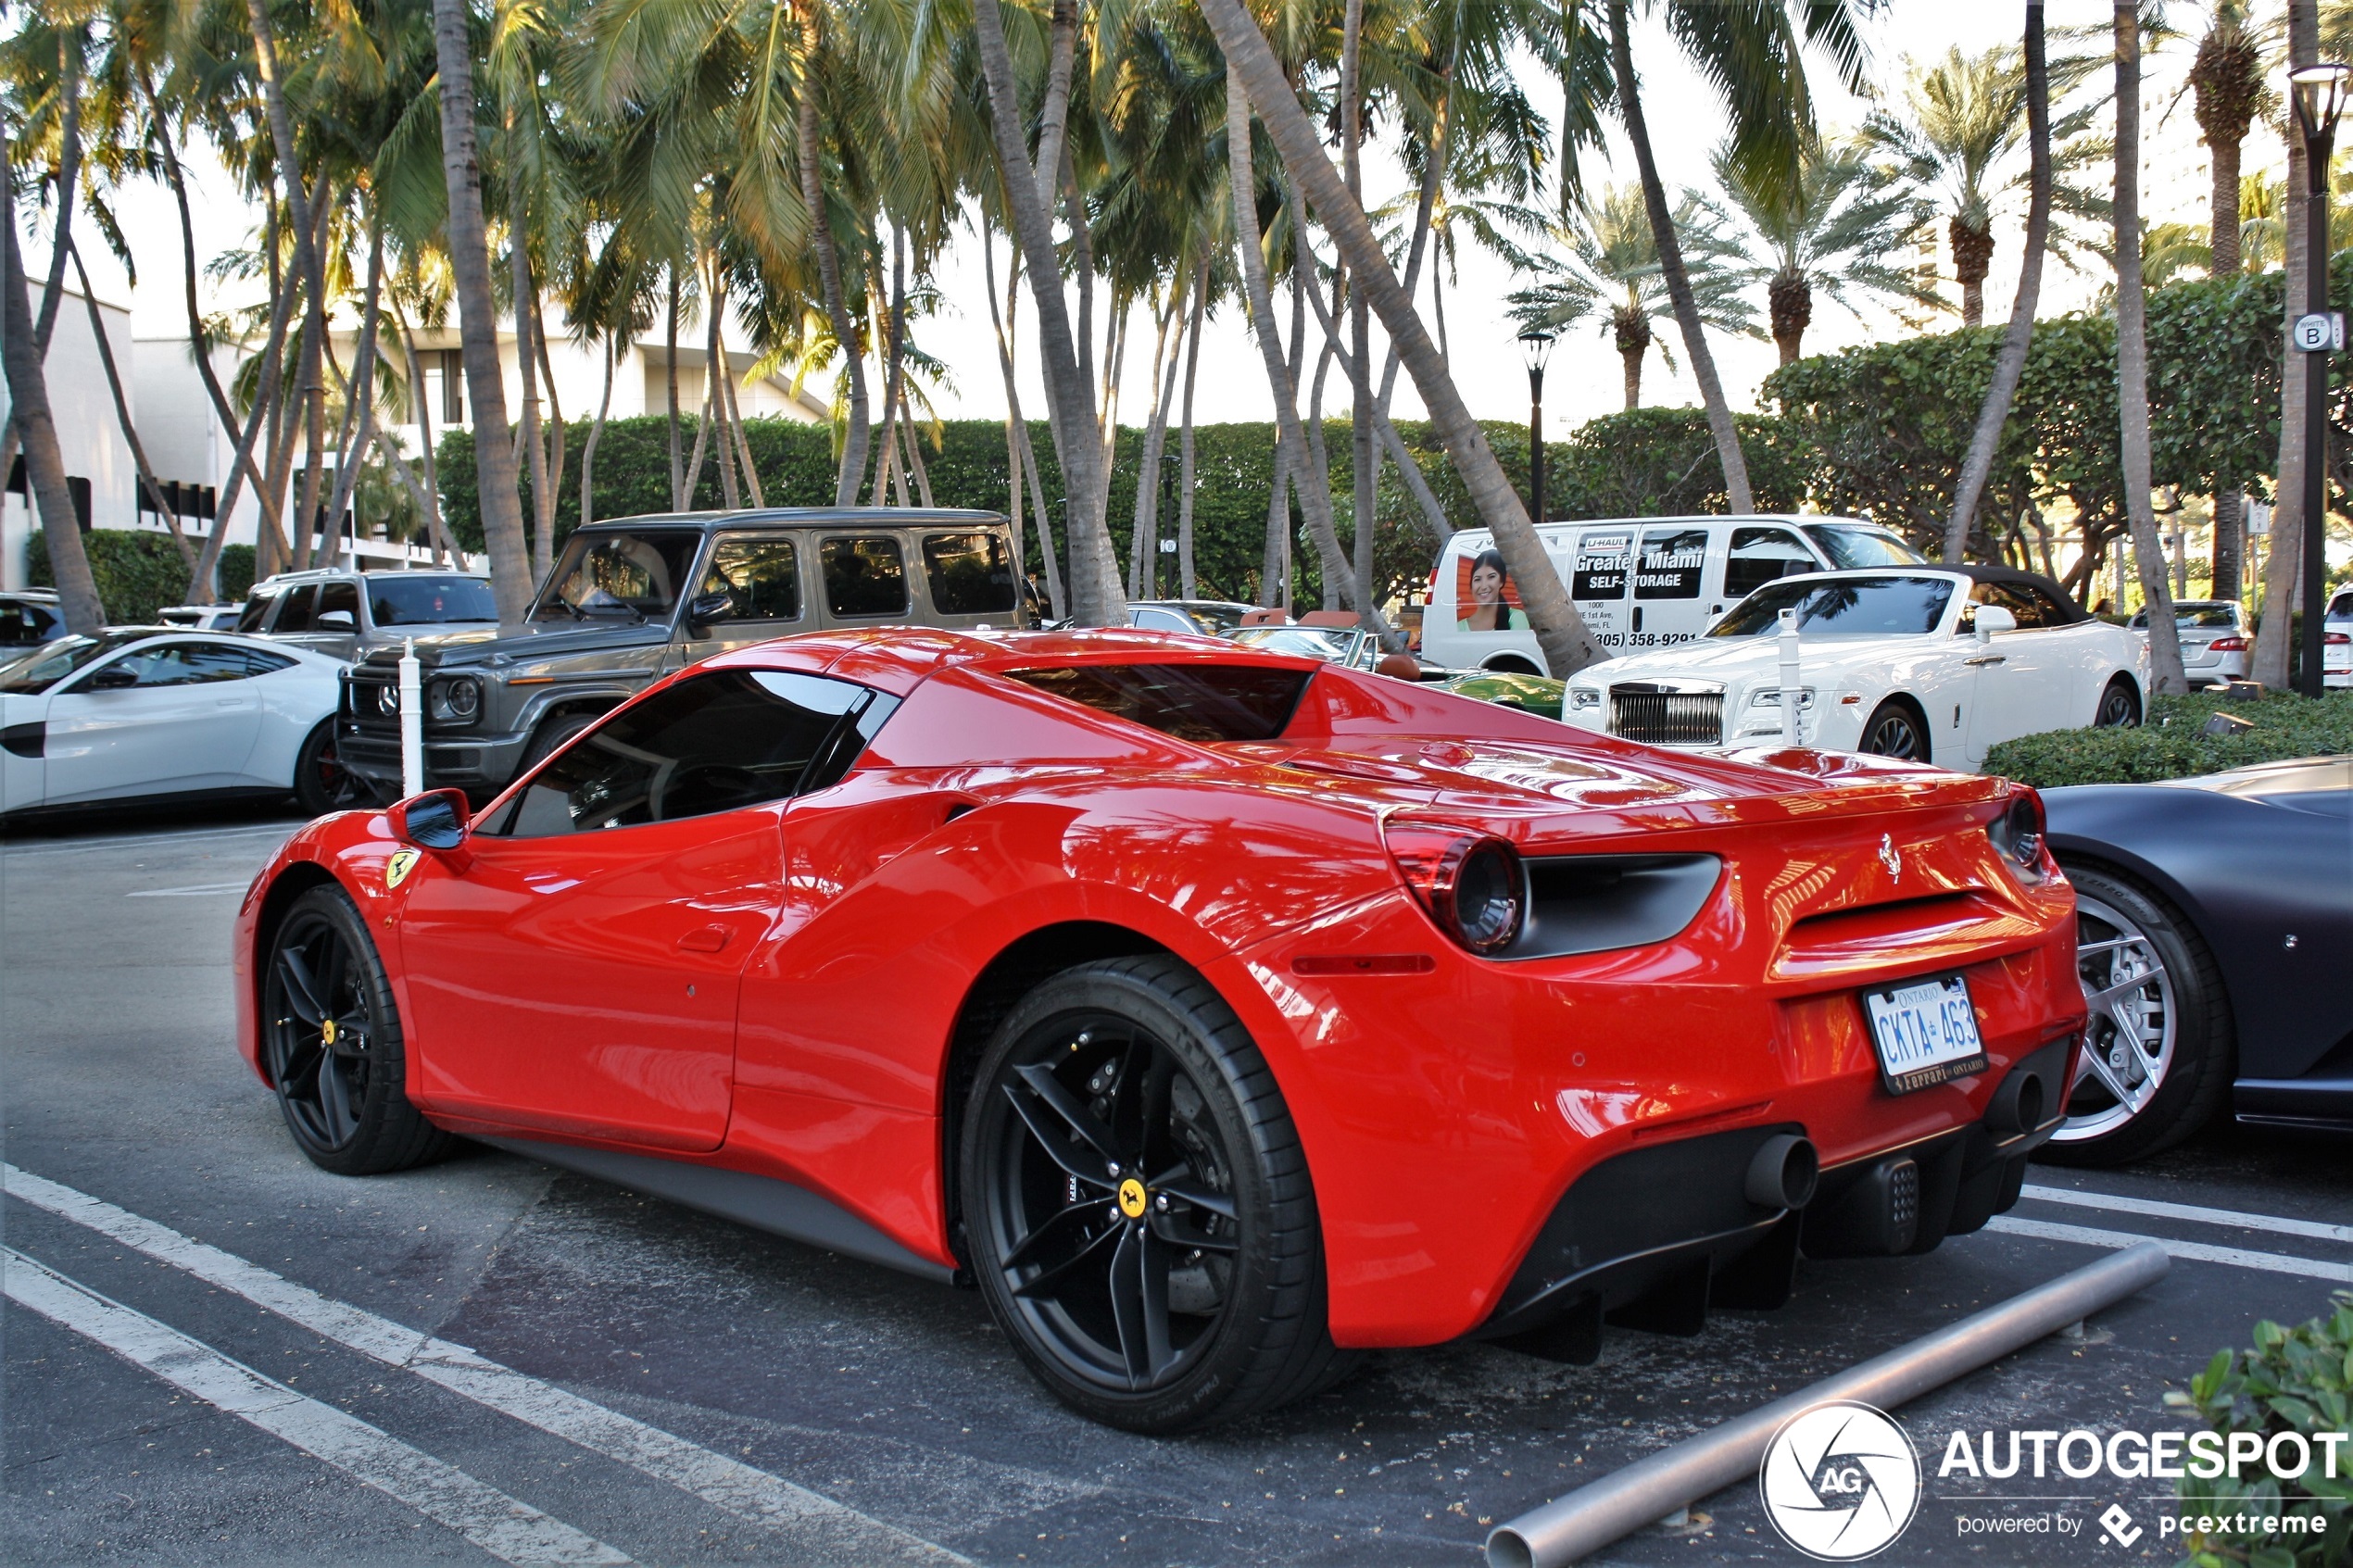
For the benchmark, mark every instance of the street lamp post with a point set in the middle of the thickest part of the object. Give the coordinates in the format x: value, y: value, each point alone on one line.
x: 2319, y: 92
x: 1536, y: 346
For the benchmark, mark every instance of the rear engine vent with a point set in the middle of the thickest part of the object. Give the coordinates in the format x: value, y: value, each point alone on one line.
x: 1642, y: 712
x: 1594, y: 903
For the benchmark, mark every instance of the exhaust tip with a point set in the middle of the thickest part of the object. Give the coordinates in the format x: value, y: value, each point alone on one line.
x: 2019, y: 1106
x: 1782, y: 1172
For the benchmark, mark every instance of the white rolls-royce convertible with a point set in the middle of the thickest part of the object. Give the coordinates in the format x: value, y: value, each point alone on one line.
x: 1932, y: 664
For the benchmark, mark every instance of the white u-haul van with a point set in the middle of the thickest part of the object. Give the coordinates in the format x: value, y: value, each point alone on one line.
x: 1640, y: 582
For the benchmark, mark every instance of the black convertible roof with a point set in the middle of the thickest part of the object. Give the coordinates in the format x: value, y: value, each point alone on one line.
x: 2015, y: 578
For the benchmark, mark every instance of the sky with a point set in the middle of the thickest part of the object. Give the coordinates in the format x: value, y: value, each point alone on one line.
x: 1584, y: 379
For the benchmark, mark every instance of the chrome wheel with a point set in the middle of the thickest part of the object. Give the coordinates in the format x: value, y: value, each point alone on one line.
x: 1111, y: 1212
x: 2120, y: 710
x: 2130, y: 1037
x: 1892, y: 732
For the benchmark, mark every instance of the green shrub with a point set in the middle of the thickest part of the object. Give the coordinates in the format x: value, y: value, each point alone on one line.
x: 137, y: 574
x: 2294, y: 1380
x: 2172, y: 743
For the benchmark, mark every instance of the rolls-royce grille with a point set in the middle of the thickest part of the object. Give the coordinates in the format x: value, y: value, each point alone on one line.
x: 1667, y: 718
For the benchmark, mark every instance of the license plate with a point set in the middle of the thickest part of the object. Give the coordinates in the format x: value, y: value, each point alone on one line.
x: 1925, y: 1032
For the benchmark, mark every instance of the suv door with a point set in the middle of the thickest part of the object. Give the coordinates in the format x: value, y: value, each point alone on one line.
x: 864, y: 574
x: 334, y: 623
x: 760, y: 574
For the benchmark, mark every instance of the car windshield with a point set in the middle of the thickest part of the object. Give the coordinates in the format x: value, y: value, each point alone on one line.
x: 1855, y: 546
x: 1330, y: 643
x: 1865, y: 607
x: 632, y: 576
x: 1196, y: 702
x: 2196, y: 614
x: 425, y: 599
x: 31, y: 674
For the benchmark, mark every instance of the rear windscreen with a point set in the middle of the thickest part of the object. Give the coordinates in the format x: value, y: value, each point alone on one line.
x: 1193, y: 702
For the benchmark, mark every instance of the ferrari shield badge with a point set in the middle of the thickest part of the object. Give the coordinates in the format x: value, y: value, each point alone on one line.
x: 396, y: 870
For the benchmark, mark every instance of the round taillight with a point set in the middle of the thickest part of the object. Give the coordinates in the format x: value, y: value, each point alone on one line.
x: 1488, y: 897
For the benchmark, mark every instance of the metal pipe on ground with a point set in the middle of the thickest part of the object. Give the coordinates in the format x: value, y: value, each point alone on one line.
x: 1648, y: 1490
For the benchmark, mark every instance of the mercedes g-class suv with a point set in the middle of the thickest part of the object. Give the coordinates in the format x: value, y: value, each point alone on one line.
x: 636, y: 599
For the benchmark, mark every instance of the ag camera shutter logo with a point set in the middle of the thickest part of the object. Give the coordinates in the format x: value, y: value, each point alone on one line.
x: 1840, y: 1481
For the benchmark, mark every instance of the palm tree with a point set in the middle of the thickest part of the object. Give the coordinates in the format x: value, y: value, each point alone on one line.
x: 2132, y: 359
x: 1560, y: 631
x: 2227, y: 78
x: 1967, y: 117
x: 1837, y: 229
x: 496, y: 476
x: 2283, y: 562
x: 1609, y: 259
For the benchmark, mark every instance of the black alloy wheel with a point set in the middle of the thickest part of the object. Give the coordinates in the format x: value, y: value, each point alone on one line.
x: 1894, y: 730
x: 2119, y: 707
x: 332, y: 1043
x: 1137, y: 1205
x: 321, y: 783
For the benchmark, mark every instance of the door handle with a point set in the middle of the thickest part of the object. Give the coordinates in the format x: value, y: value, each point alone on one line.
x: 1986, y: 658
x: 704, y: 939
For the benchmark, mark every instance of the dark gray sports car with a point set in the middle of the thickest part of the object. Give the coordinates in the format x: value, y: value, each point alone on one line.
x: 2215, y: 919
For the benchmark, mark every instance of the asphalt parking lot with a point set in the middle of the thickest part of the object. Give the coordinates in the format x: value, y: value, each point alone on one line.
x: 195, y: 1313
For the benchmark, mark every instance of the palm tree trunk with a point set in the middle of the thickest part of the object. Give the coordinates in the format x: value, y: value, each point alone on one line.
x: 852, y: 467
x: 1145, y: 582
x: 495, y: 469
x: 2274, y: 632
x: 2230, y: 502
x: 1978, y: 465
x: 715, y: 378
x: 1187, y: 581
x: 425, y: 460
x: 677, y: 458
x: 37, y: 430
x: 1095, y: 596
x: 1560, y: 631
x: 543, y: 499
x: 735, y: 427
x: 557, y: 433
x: 1363, y: 457
x: 146, y: 471
x: 1311, y: 474
x: 895, y: 301
x: 2133, y: 361
x: 1021, y: 450
x: 361, y: 393
x: 596, y: 435
x: 1671, y: 269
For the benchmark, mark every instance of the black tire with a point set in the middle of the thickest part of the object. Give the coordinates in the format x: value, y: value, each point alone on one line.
x: 321, y: 783
x: 332, y: 1044
x: 1197, y: 1183
x: 1511, y: 664
x: 1896, y: 728
x: 2126, y: 933
x: 2120, y: 706
x: 552, y: 735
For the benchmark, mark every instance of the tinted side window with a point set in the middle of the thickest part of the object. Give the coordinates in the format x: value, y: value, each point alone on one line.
x: 1670, y: 563
x: 968, y: 574
x: 256, y: 610
x: 260, y: 663
x: 344, y: 597
x: 22, y: 625
x: 295, y: 614
x: 187, y: 664
x: 1759, y: 556
x: 762, y: 576
x: 721, y: 742
x: 865, y: 576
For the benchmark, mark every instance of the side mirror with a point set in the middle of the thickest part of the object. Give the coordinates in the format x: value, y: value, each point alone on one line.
x: 436, y: 820
x: 336, y: 621
x: 1992, y: 619
x: 113, y: 678
x: 709, y: 610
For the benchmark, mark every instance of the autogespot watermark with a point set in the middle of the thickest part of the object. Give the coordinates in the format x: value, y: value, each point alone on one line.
x: 1843, y: 1481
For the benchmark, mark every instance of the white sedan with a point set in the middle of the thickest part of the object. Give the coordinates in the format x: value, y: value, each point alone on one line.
x: 146, y: 711
x: 1927, y: 663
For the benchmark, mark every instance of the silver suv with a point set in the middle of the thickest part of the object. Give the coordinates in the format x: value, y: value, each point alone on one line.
x: 345, y: 613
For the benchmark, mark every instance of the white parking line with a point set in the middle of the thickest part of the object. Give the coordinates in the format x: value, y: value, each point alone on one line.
x: 740, y: 1490
x: 203, y: 890
x: 513, y: 1531
x: 2197, y: 1252
x: 2194, y: 1213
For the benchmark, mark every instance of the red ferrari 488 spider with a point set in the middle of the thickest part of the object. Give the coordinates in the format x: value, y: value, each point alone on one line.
x: 1216, y: 1013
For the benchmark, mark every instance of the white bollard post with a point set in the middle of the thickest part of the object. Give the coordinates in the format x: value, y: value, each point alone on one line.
x: 412, y: 722
x: 1792, y: 732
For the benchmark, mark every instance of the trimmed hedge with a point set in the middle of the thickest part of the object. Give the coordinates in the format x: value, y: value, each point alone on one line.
x: 2171, y: 744
x: 137, y: 574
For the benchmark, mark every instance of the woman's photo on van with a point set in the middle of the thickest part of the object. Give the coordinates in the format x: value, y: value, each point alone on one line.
x: 1486, y: 586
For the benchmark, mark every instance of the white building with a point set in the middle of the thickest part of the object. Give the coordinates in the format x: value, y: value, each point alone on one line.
x: 192, y: 453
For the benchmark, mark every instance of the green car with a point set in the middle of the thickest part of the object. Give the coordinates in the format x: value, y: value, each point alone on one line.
x: 1540, y: 694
